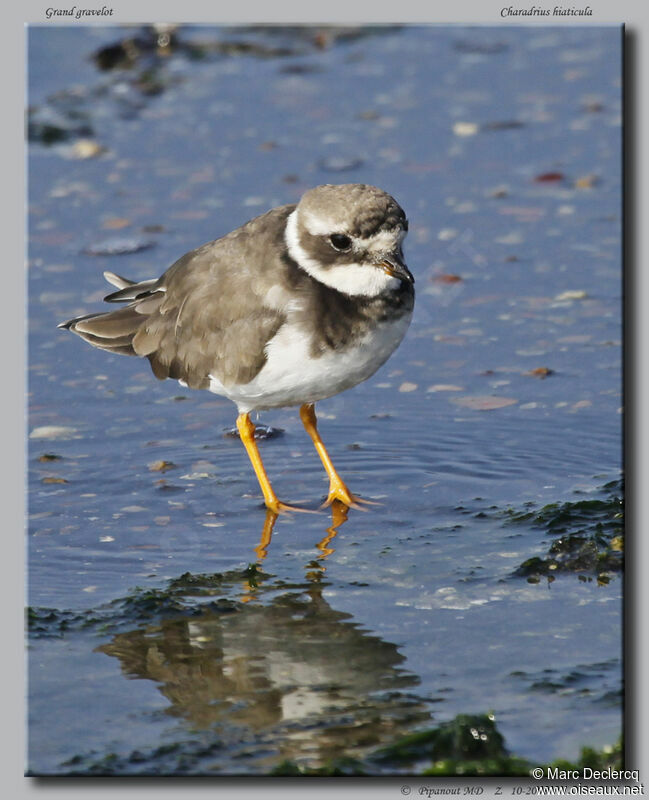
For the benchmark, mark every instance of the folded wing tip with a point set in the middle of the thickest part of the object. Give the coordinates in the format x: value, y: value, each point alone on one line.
x: 117, y: 280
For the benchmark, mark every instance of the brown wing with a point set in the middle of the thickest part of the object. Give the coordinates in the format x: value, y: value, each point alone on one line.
x: 209, y: 314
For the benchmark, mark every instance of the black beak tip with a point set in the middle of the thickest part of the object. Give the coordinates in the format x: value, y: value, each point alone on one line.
x: 404, y: 273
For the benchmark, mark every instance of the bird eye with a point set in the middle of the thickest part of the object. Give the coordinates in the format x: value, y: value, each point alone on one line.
x: 340, y: 241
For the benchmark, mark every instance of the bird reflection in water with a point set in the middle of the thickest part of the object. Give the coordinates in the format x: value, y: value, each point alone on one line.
x: 292, y: 677
x: 338, y: 517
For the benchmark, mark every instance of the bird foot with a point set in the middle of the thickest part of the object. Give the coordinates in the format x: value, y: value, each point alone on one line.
x: 342, y: 494
x: 277, y: 507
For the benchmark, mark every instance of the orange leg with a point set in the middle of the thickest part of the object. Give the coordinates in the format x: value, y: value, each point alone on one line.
x: 246, y: 429
x: 337, y: 489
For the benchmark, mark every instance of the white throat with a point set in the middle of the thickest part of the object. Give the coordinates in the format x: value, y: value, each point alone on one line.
x: 352, y: 279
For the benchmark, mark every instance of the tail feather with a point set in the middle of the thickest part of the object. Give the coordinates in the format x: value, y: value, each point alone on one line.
x: 104, y: 342
x: 112, y: 325
x: 114, y: 330
x: 68, y: 325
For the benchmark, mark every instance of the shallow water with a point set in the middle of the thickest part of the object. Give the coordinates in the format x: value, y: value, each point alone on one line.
x: 503, y: 146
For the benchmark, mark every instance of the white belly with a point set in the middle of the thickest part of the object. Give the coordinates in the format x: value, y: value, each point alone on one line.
x: 291, y: 376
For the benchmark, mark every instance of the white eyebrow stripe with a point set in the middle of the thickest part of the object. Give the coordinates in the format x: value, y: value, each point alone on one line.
x: 383, y: 241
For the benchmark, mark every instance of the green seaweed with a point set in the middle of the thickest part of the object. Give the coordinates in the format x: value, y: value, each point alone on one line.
x: 501, y: 766
x: 345, y: 766
x: 612, y: 757
x: 188, y: 595
x: 588, y: 536
x: 465, y: 738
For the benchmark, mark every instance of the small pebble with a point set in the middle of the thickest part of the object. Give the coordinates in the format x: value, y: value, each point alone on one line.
x: 339, y: 163
x: 510, y: 238
x: 444, y: 387
x: 465, y: 128
x: 549, y: 177
x: 161, y: 466
x: 502, y: 125
x: 572, y: 294
x: 483, y: 403
x: 116, y: 223
x: 498, y: 192
x: 86, y: 148
x: 261, y: 431
x: 118, y: 247
x: 540, y: 372
x: 53, y: 432
x: 586, y: 182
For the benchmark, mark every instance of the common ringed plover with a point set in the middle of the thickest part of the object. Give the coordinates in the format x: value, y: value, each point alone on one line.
x: 296, y: 305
